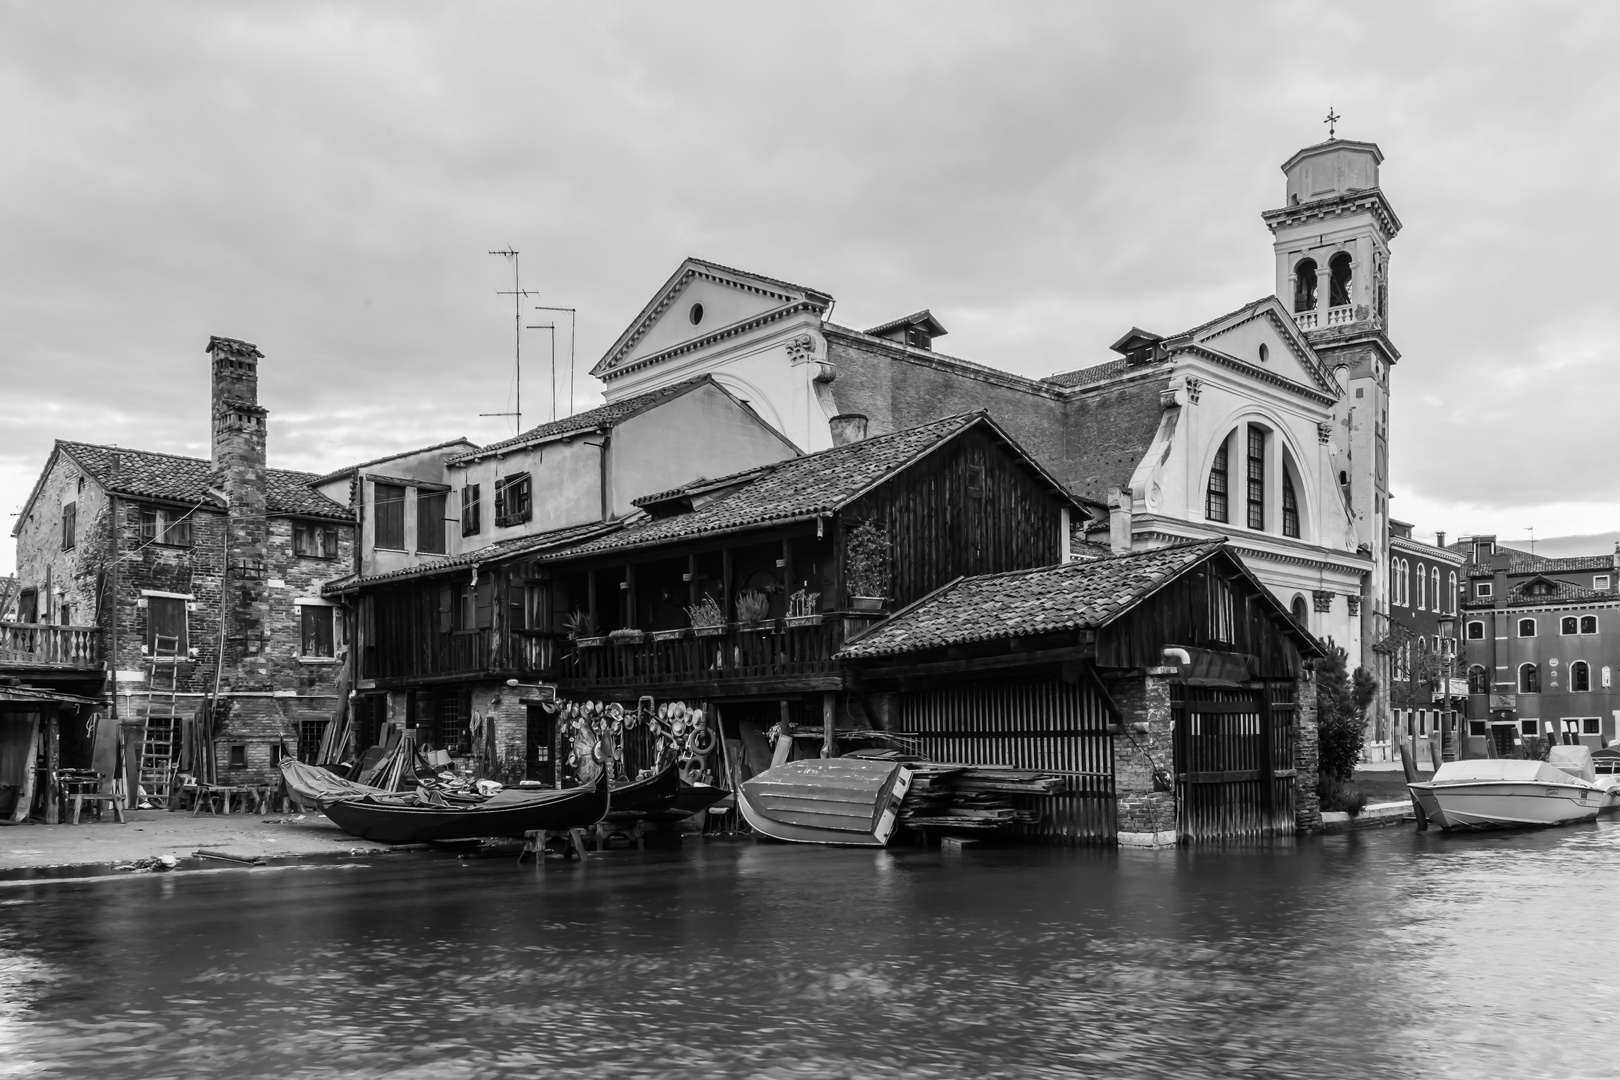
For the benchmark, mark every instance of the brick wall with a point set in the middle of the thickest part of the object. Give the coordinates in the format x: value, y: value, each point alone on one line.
x: 1147, y: 817
x: 1307, y: 807
x: 56, y: 574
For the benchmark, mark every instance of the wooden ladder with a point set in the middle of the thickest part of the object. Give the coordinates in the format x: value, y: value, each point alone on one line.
x: 161, y: 733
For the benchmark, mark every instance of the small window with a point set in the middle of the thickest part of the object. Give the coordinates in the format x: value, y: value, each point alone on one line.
x: 1477, y: 728
x: 1600, y: 582
x: 1290, y: 507
x: 512, y: 504
x: 316, y: 625
x: 1215, y: 504
x: 1527, y: 628
x: 471, y: 510
x: 64, y: 614
x: 310, y: 733
x: 1569, y: 625
x: 1589, y: 624
x: 430, y: 522
x: 1527, y: 727
x: 1580, y: 677
x: 70, y: 525
x: 1591, y: 725
x: 1301, y: 612
x: 1476, y: 631
x: 1482, y: 589
x: 166, y: 527
x: 238, y: 757
x: 1529, y: 679
x: 1479, y: 682
x: 313, y: 541
x: 389, y: 502
x: 1265, y: 353
x: 695, y: 313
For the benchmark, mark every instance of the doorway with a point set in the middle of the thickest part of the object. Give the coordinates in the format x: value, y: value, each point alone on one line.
x: 540, y: 750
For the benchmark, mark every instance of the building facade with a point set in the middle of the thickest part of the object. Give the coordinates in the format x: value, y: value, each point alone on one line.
x: 1419, y: 638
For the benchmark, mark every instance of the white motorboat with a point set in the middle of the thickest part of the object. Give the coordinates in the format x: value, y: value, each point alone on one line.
x: 1581, y: 762
x: 1494, y: 793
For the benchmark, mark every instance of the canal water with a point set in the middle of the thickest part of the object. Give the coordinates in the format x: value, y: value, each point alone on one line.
x: 1382, y: 954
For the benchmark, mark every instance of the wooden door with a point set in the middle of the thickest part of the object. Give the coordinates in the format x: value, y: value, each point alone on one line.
x: 1234, y: 754
x: 539, y: 755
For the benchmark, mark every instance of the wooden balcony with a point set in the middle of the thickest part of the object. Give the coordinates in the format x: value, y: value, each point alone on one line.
x: 739, y: 660
x: 41, y: 645
x: 460, y: 652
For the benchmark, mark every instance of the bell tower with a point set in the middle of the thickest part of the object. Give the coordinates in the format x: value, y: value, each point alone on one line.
x: 1331, y: 242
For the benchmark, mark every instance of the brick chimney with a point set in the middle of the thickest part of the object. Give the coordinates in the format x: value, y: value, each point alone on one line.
x: 848, y: 428
x: 238, y: 455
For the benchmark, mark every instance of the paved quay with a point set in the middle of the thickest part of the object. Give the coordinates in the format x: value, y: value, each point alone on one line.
x: 148, y: 833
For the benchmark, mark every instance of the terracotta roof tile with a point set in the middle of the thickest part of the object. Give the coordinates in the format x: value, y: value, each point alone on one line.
x: 602, y: 416
x: 1070, y: 596
x: 142, y: 473
x: 501, y: 549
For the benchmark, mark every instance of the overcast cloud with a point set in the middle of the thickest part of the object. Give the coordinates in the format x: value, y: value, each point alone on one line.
x: 325, y: 180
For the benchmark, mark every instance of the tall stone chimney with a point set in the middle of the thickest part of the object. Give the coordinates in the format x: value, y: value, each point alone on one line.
x: 238, y: 457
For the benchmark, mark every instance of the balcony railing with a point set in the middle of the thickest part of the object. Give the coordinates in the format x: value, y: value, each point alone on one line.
x: 460, y: 652
x: 1343, y: 315
x: 776, y: 652
x: 44, y: 645
x: 1306, y: 320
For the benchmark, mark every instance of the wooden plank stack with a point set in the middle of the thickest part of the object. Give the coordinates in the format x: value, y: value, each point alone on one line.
x: 972, y: 797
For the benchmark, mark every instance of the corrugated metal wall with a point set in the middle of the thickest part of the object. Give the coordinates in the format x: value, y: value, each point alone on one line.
x: 1047, y: 725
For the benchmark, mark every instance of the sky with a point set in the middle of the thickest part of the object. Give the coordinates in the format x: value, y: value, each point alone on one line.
x: 326, y: 181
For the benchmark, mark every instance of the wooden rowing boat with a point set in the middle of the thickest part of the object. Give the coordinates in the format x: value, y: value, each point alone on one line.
x: 843, y: 801
x: 394, y: 819
x: 649, y: 795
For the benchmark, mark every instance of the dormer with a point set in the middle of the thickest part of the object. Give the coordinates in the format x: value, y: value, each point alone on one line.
x: 1138, y: 346
x: 918, y: 330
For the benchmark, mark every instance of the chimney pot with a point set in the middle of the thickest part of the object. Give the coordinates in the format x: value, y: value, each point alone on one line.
x: 848, y: 428
x: 1440, y: 538
x: 1119, y: 519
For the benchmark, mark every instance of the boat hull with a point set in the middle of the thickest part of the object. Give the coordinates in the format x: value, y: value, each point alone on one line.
x: 506, y: 814
x: 846, y: 802
x: 1507, y: 805
x: 649, y: 795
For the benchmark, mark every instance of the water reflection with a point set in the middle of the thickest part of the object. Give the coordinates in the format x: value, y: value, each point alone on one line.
x: 1376, y: 954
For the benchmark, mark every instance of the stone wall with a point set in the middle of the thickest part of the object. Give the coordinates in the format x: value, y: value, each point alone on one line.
x: 1307, y: 806
x: 1147, y: 815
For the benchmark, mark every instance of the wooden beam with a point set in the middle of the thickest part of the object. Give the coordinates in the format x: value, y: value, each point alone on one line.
x: 983, y: 663
x: 829, y: 724
x: 53, y: 763
x: 726, y: 603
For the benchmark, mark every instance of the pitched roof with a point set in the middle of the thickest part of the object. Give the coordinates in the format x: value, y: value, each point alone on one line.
x: 923, y: 318
x: 350, y: 470
x: 144, y: 474
x: 1087, y: 375
x: 603, y: 416
x: 1523, y: 562
x: 501, y: 549
x: 1562, y: 592
x: 802, y: 487
x: 1069, y: 596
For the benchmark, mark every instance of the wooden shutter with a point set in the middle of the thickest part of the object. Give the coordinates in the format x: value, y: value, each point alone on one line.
x: 70, y: 524
x: 389, y: 502
x: 430, y: 522
x: 470, y: 523
x: 166, y: 617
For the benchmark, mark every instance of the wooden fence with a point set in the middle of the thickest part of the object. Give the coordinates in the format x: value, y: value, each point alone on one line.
x: 1234, y: 760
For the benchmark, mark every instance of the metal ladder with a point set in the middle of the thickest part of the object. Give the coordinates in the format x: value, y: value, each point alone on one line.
x: 161, y: 733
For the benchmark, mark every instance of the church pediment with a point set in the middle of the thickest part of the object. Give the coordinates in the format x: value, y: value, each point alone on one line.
x: 700, y: 301
x: 1262, y: 335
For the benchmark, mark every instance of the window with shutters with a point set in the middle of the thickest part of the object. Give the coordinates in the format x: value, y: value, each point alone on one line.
x: 430, y: 522
x: 1215, y: 496
x: 471, y: 522
x: 171, y: 527
x: 512, y: 500
x: 315, y: 541
x: 316, y: 639
x: 70, y: 525
x: 388, y: 500
x: 166, y: 619
x: 1257, y: 478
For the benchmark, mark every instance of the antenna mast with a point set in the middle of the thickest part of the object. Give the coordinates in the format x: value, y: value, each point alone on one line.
x: 572, y: 319
x: 517, y: 293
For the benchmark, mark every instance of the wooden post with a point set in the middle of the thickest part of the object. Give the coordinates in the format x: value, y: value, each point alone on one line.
x: 726, y: 604
x: 787, y: 570
x: 630, y: 595
x: 53, y: 763
x: 829, y: 724
x: 1268, y: 765
x: 590, y: 599
x: 691, y: 580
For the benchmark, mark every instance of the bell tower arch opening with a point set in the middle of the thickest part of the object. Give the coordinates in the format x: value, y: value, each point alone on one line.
x: 1304, y: 285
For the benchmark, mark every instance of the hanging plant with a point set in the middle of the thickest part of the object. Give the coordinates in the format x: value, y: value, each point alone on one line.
x: 867, y: 554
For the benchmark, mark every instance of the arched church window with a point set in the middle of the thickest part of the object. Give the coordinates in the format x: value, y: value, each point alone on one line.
x: 1580, y: 677
x: 1339, y: 280
x: 1478, y: 681
x: 1215, y: 501
x: 1257, y: 477
x: 1305, y: 285
x: 1301, y: 612
x: 1290, y: 506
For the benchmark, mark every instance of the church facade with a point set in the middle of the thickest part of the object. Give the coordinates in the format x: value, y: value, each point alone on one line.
x: 1267, y: 425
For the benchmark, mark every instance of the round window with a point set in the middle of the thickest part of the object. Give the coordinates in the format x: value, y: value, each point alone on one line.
x: 1265, y: 353
x: 695, y: 314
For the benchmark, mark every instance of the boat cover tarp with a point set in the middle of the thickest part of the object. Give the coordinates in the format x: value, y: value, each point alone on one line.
x: 1477, y: 770
x: 310, y: 784
x: 1575, y: 760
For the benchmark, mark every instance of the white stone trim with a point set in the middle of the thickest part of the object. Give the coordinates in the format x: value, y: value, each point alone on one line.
x: 312, y: 601
x: 1147, y: 839
x: 169, y: 595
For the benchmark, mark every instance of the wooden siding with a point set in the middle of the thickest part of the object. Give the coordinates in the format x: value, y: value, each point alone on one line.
x: 1048, y: 725
x: 1206, y: 609
x: 970, y: 507
x: 1234, y: 760
x: 787, y: 656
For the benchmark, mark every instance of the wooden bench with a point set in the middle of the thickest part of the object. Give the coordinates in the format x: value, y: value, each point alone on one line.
x: 206, y: 793
x: 79, y: 798
x: 534, y: 843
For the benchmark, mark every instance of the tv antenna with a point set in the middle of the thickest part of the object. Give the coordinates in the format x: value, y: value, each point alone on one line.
x: 517, y: 293
x: 572, y: 319
x: 1531, y: 529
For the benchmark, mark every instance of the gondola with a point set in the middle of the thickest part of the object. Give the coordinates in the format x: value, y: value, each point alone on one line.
x: 842, y: 801
x: 648, y: 795
x: 392, y: 819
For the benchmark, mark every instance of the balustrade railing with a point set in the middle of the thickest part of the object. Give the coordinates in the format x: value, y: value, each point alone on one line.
x: 47, y: 645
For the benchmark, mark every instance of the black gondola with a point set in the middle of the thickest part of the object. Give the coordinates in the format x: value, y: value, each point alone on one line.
x: 649, y: 795
x: 391, y: 820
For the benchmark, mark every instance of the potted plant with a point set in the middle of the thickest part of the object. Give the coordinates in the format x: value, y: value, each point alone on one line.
x: 804, y: 608
x: 866, y: 562
x: 627, y: 636
x: 753, y: 610
x: 707, y: 618
x: 666, y: 635
x: 582, y: 631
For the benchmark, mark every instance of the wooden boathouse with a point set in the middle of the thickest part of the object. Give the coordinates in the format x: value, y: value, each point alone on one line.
x: 1169, y: 686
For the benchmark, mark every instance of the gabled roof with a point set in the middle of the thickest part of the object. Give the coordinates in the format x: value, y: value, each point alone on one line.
x: 501, y: 549
x: 614, y: 412
x: 1524, y: 562
x: 1070, y: 596
x: 790, y: 297
x: 923, y: 319
x: 144, y: 474
x: 1562, y: 592
x: 805, y: 487
x: 1271, y: 309
x: 351, y: 470
x: 1135, y: 338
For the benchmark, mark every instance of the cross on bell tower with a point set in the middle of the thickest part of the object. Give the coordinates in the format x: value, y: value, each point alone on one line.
x: 1332, y: 119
